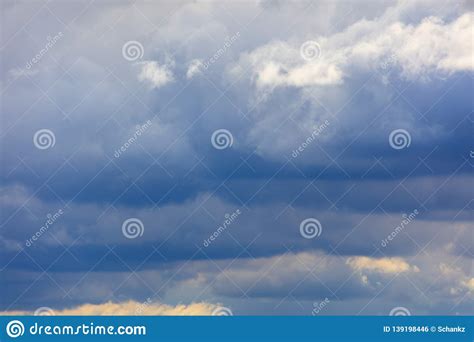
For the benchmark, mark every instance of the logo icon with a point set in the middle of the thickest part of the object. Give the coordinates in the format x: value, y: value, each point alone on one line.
x: 400, y: 311
x: 15, y: 328
x: 132, y: 50
x: 310, y: 228
x: 44, y: 311
x: 44, y: 139
x: 399, y: 139
x: 310, y: 50
x: 222, y: 139
x: 222, y: 311
x: 132, y: 228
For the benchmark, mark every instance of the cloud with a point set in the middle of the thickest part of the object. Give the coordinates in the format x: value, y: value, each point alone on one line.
x: 130, y: 307
x: 181, y: 188
x: 458, y: 277
x: 382, y: 265
x: 418, y: 50
x: 306, y: 275
x: 154, y: 74
x: 469, y: 283
x: 194, y: 68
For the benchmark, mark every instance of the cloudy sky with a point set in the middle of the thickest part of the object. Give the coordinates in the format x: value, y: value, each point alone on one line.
x: 245, y: 157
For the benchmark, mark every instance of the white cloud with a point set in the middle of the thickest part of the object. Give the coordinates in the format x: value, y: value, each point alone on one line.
x: 418, y: 50
x: 156, y: 75
x: 382, y: 265
x: 194, y: 68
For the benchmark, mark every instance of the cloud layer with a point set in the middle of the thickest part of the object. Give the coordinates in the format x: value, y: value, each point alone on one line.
x: 113, y: 181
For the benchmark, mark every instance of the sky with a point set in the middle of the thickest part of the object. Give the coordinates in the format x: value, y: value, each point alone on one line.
x: 237, y: 158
